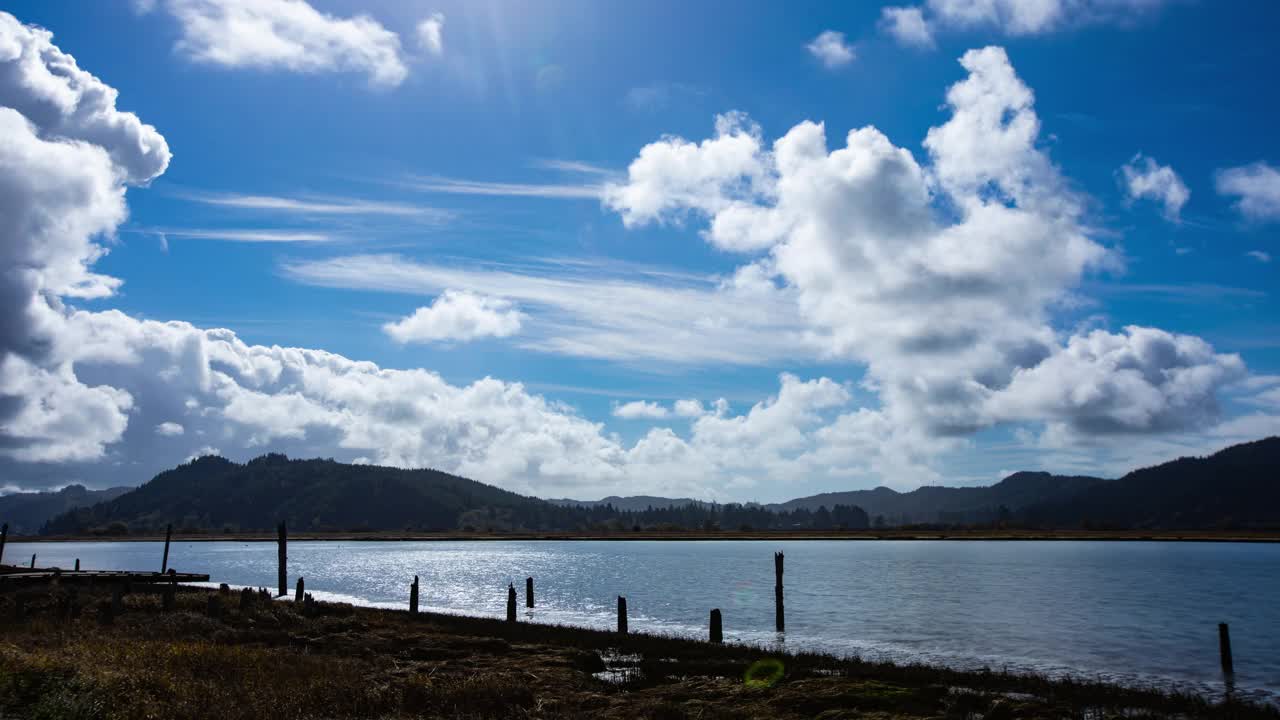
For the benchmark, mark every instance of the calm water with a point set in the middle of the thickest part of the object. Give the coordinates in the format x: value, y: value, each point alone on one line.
x: 1133, y: 612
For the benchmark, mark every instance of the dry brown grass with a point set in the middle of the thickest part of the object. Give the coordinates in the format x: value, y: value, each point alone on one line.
x: 346, y: 662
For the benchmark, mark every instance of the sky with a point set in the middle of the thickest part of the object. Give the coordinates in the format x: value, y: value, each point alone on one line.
x: 576, y: 249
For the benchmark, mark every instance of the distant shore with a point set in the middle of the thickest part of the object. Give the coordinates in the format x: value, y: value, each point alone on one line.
x: 699, y: 535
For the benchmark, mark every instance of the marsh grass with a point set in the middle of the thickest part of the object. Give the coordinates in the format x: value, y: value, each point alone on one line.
x: 345, y: 662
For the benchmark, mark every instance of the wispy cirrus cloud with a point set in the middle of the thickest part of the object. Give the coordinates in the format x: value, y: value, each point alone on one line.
x: 459, y: 186
x: 316, y: 205
x: 243, y: 235
x: 596, y: 310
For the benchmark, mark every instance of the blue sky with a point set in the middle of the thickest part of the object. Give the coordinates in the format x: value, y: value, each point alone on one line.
x: 329, y: 178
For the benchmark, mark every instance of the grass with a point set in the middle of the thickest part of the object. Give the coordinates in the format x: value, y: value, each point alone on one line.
x: 345, y: 662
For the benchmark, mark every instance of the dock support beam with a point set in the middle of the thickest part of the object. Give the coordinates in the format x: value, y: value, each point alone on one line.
x: 300, y: 592
x: 779, y: 615
x: 168, y: 535
x: 282, y: 557
x: 1224, y: 649
x: 528, y: 592
x: 622, y: 615
x: 413, y: 596
x: 717, y: 630
x: 511, y: 602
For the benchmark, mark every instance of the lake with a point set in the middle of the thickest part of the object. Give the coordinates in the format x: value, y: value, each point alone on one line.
x: 1139, y: 613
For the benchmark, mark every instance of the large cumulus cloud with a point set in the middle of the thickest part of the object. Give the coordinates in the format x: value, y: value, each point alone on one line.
x: 941, y: 277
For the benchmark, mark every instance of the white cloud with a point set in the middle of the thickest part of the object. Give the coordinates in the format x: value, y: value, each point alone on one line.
x: 908, y: 25
x: 831, y: 48
x: 457, y: 315
x: 906, y: 267
x: 66, y: 157
x: 912, y: 25
x: 689, y: 408
x: 169, y: 429
x: 1258, y: 188
x: 1260, y: 256
x: 640, y: 409
x: 431, y: 34
x: 287, y: 34
x: 1144, y: 178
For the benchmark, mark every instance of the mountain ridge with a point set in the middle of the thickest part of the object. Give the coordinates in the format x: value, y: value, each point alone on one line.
x: 1234, y: 487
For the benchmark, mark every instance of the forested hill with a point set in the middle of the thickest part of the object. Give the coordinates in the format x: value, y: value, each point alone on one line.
x: 957, y: 505
x: 1238, y: 487
x: 213, y: 493
x: 25, y: 513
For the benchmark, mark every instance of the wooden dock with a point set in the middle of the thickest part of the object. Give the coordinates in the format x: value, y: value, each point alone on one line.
x: 11, y: 576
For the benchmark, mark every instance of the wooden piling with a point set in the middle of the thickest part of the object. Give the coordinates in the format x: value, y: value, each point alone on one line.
x: 300, y: 592
x: 33, y: 561
x: 622, y: 615
x: 528, y: 592
x: 1224, y: 649
x: 308, y: 605
x: 106, y: 613
x: 717, y: 630
x: 511, y: 602
x: 77, y: 564
x: 779, y: 615
x: 4, y: 536
x: 413, y: 596
x: 282, y: 557
x: 168, y: 535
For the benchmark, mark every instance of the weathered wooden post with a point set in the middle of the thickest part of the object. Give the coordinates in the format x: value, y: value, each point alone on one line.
x: 1224, y: 649
x: 511, y: 602
x: 33, y: 561
x: 214, y: 607
x: 168, y: 534
x: 622, y: 615
x: 779, y: 616
x: 300, y: 592
x: 282, y: 556
x: 77, y: 564
x: 4, y: 535
x: 106, y: 614
x: 413, y: 596
x: 717, y: 630
x: 308, y: 605
x: 528, y: 592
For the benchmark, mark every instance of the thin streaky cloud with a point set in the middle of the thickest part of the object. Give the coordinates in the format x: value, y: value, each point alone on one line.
x: 580, y: 312
x: 244, y: 235
x: 316, y: 206
x: 456, y: 186
x: 572, y: 166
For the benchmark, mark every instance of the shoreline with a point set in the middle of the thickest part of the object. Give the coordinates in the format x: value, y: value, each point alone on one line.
x: 282, y: 658
x: 699, y: 536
